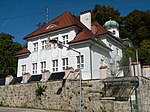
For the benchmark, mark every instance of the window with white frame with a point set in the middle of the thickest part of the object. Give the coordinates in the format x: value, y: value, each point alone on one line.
x: 34, y: 68
x: 35, y: 46
x: 55, y: 65
x: 23, y: 68
x: 43, y: 44
x: 64, y: 63
x: 65, y: 39
x: 80, y: 59
x: 43, y: 65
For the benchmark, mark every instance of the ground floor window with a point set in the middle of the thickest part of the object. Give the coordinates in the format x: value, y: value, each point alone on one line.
x: 43, y: 66
x: 80, y: 60
x: 55, y: 65
x: 34, y: 68
x: 64, y: 63
x: 23, y: 68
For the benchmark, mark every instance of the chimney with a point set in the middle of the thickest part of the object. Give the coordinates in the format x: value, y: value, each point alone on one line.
x: 85, y: 18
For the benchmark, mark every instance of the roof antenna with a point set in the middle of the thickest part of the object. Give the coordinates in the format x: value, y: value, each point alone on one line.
x: 47, y: 14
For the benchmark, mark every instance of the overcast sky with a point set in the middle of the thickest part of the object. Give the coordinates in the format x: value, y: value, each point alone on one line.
x: 20, y: 17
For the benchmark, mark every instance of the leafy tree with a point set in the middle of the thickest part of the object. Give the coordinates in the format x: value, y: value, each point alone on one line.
x: 8, y: 63
x: 136, y: 26
x: 102, y: 13
x: 144, y: 51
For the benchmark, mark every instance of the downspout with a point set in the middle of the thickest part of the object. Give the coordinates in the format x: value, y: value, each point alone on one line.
x: 91, y: 68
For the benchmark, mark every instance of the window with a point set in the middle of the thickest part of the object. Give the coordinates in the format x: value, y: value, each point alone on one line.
x: 117, y: 51
x: 102, y: 62
x: 64, y: 63
x: 65, y: 39
x: 35, y: 46
x: 114, y: 32
x: 43, y: 44
x: 34, y: 68
x: 55, y: 65
x: 43, y: 65
x: 23, y: 69
x: 110, y: 45
x: 56, y: 38
x: 51, y: 26
x: 82, y: 61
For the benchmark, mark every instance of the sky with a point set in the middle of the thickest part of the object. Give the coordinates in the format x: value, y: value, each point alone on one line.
x: 20, y: 17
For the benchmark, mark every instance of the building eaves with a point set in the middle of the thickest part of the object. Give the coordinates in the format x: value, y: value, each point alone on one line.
x: 22, y: 52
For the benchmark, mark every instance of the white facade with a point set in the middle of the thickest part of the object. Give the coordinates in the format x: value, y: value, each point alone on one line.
x: 46, y: 56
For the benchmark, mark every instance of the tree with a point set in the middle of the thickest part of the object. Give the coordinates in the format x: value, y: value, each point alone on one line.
x: 136, y: 26
x: 144, y: 51
x: 8, y: 63
x: 102, y: 13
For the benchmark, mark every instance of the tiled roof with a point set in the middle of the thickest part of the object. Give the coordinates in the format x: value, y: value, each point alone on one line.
x: 97, y: 29
x: 62, y: 21
x: 67, y: 20
x: 83, y: 35
x: 22, y: 51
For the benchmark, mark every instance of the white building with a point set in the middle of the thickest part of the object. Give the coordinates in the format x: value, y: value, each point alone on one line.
x: 97, y: 47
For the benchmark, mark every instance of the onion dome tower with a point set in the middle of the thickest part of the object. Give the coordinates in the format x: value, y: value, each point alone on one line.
x: 113, y: 27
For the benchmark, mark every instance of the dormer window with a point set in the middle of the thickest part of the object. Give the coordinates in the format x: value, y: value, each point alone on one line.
x: 51, y: 26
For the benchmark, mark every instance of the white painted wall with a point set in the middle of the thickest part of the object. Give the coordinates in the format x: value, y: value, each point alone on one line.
x: 48, y: 55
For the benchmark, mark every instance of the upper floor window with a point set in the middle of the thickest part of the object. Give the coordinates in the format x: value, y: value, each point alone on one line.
x: 114, y: 32
x: 34, y: 68
x: 43, y: 44
x: 65, y: 39
x: 43, y: 65
x: 110, y: 46
x: 80, y: 61
x: 55, y: 65
x: 64, y: 63
x: 35, y: 46
x: 51, y: 26
x: 56, y: 38
x: 23, y: 68
x: 102, y: 62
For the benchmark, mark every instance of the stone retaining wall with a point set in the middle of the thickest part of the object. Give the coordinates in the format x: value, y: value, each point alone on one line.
x: 60, y: 95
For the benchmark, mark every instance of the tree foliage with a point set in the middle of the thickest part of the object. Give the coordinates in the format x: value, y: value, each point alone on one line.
x: 144, y: 51
x: 8, y: 63
x: 102, y: 13
x: 136, y: 26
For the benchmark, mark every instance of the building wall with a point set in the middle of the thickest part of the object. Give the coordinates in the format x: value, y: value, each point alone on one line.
x: 45, y: 54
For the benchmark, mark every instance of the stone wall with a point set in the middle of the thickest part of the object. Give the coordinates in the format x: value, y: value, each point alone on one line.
x: 145, y: 94
x: 60, y: 95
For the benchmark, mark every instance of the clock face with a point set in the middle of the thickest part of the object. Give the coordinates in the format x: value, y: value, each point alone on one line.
x: 34, y: 56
